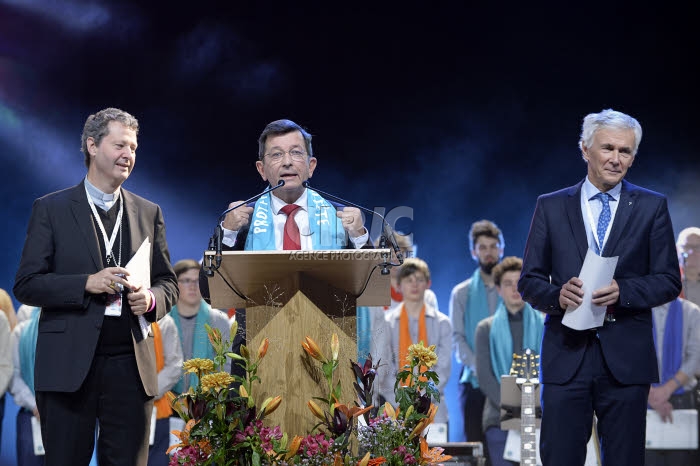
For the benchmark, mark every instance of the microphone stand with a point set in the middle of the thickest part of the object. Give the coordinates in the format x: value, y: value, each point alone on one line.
x: 214, y: 262
x: 387, y: 232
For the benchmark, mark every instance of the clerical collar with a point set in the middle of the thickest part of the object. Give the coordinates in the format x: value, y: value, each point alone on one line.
x: 102, y: 200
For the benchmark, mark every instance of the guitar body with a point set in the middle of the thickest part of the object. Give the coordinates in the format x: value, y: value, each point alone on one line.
x: 525, y: 368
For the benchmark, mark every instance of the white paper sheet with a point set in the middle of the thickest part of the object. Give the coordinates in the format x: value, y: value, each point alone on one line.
x: 512, y: 450
x: 152, y: 435
x: 437, y: 433
x: 36, y: 437
x: 139, y: 268
x: 681, y: 434
x: 597, y: 272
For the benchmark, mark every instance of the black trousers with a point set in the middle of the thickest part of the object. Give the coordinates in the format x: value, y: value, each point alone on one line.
x: 567, y: 415
x: 472, y: 400
x: 111, y: 395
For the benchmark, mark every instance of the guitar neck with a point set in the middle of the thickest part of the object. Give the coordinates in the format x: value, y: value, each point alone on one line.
x: 528, y: 436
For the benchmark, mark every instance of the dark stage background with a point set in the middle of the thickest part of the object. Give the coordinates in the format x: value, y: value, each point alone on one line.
x: 458, y: 112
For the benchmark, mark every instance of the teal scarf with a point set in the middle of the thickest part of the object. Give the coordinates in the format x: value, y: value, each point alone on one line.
x: 27, y: 349
x: 501, y: 340
x: 364, y: 330
x: 327, y: 230
x: 201, y: 346
x: 477, y: 309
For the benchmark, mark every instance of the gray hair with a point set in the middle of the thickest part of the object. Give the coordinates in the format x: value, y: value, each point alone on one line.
x: 97, y: 127
x: 609, y: 118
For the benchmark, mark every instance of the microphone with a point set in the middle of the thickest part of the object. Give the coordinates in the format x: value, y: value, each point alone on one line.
x: 213, y: 263
x: 387, y: 231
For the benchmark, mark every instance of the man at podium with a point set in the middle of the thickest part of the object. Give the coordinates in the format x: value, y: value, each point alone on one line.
x: 292, y: 216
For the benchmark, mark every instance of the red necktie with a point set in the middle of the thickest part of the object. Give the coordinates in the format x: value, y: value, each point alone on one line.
x: 292, y: 241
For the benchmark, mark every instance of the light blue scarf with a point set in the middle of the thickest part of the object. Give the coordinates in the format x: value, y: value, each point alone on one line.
x: 364, y: 330
x: 201, y: 346
x: 27, y: 349
x: 476, y: 310
x: 501, y: 340
x: 326, y: 229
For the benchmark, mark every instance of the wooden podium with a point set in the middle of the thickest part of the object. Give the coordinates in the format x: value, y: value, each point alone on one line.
x: 289, y: 295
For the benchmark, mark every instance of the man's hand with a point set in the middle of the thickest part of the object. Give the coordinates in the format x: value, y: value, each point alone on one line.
x: 658, y: 400
x: 571, y: 293
x: 105, y: 281
x: 237, y: 218
x: 659, y: 395
x: 352, y: 221
x: 139, y: 300
x: 606, y: 296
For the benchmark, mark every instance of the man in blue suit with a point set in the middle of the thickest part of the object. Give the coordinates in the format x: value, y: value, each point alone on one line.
x: 606, y: 370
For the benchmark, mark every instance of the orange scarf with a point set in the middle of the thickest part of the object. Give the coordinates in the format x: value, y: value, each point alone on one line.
x: 162, y: 405
x: 405, y: 336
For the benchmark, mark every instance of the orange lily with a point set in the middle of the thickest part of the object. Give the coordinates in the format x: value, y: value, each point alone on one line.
x: 313, y: 350
x: 425, y: 422
x: 270, y: 405
x: 183, y: 435
x: 262, y: 351
x: 293, y: 447
x: 316, y: 410
x: 351, y: 411
x: 335, y: 347
x: 367, y: 461
x: 214, y: 336
x: 433, y: 455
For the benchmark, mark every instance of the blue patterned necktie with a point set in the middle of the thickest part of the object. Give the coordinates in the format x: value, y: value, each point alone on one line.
x: 604, y: 218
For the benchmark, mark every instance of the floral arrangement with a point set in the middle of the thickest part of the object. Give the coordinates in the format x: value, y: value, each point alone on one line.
x: 225, y: 427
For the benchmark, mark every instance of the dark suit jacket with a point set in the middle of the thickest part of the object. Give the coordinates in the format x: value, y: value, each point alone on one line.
x: 60, y: 251
x: 647, y: 274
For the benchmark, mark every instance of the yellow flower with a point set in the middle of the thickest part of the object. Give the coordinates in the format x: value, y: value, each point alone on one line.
x: 389, y: 411
x: 198, y: 365
x: 234, y: 329
x: 217, y: 381
x: 313, y: 350
x: 426, y: 356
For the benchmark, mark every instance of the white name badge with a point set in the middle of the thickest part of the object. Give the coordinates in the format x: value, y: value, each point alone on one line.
x: 114, y: 305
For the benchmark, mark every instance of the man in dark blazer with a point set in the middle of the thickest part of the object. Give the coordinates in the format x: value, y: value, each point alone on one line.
x: 606, y: 370
x: 94, y: 361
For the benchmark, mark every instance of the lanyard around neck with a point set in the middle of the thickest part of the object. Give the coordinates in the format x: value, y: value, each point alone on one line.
x: 109, y: 242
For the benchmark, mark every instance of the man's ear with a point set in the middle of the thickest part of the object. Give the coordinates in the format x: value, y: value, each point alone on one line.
x: 259, y: 165
x: 91, y: 146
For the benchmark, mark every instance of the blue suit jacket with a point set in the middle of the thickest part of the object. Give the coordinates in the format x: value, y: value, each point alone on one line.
x: 647, y: 273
